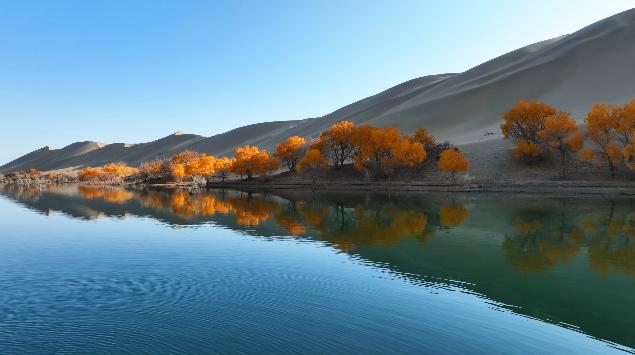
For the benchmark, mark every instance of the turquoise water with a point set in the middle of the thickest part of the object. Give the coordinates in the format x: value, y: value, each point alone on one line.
x: 94, y: 270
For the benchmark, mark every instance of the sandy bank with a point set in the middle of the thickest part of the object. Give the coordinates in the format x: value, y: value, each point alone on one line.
x: 533, y: 187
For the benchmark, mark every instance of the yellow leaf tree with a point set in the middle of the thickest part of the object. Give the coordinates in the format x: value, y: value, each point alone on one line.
x: 453, y: 161
x: 374, y: 147
x: 626, y: 118
x: 627, y: 129
x: 522, y: 123
x: 602, y: 124
x: 561, y: 133
x: 222, y: 167
x: 155, y: 168
x: 336, y: 142
x: 426, y: 139
x: 178, y: 171
x: 271, y: 164
x: 250, y: 160
x: 290, y: 151
x: 312, y: 163
x: 408, y: 153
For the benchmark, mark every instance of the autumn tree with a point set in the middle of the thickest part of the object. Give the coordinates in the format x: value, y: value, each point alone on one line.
x: 271, y: 164
x: 222, y: 167
x: 154, y: 169
x: 626, y: 122
x: 118, y: 170
x: 602, y: 124
x: 562, y: 134
x: 33, y: 173
x: 184, y: 157
x: 290, y: 151
x: 89, y: 173
x: 108, y: 172
x: 312, y: 162
x: 522, y: 123
x: 336, y: 142
x: 249, y: 160
x: 408, y: 153
x: 627, y: 129
x: 177, y: 171
x: 453, y: 161
x: 183, y: 164
x: 374, y: 147
x: 426, y: 139
x: 194, y: 165
x: 205, y: 166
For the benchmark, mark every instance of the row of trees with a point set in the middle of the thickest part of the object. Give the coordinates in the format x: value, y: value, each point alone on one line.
x: 37, y: 177
x: 377, y: 151
x: 536, y: 128
x: 374, y: 150
x: 108, y: 173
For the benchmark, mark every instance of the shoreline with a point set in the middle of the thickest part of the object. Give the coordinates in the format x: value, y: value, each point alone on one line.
x: 539, y: 187
x: 534, y: 187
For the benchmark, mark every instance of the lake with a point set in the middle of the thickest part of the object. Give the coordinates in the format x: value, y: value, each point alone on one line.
x: 107, y: 270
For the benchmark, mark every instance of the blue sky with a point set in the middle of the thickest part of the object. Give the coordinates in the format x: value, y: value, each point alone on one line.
x: 135, y: 71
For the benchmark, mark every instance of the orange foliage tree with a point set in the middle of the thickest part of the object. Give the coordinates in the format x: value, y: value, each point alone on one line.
x: 336, y: 142
x: 561, y: 132
x: 380, y: 148
x: 453, y: 161
x: 205, y: 165
x: 109, y: 172
x: 290, y: 151
x: 603, y: 132
x: 626, y: 126
x: 249, y: 160
x: 155, y: 168
x: 192, y: 164
x: 184, y: 157
x: 178, y: 171
x: 522, y: 123
x: 374, y: 147
x: 408, y: 153
x: 271, y: 164
x: 89, y: 173
x: 34, y: 173
x: 627, y: 129
x: 312, y: 162
x: 119, y: 169
x: 222, y: 167
x: 426, y: 139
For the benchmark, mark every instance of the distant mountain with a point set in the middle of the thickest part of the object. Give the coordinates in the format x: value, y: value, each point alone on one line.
x: 570, y: 72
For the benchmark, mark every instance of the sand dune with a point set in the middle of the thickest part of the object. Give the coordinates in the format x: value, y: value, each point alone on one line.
x: 571, y: 72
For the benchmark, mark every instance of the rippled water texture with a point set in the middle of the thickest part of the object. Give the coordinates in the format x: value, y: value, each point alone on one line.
x: 104, y: 270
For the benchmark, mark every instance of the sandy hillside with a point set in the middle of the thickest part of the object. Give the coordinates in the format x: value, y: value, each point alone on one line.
x: 570, y: 72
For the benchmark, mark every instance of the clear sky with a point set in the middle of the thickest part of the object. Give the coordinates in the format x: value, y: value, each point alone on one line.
x: 134, y: 71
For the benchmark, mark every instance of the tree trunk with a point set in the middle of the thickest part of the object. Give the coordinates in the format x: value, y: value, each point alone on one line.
x: 563, y: 156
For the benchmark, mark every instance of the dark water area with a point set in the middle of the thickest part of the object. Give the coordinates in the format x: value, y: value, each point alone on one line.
x: 108, y: 270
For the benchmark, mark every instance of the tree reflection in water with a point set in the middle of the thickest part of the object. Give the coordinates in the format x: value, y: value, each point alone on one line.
x: 539, y: 237
x: 545, y: 238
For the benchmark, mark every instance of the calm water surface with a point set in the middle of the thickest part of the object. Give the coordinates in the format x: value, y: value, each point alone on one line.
x: 104, y: 270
